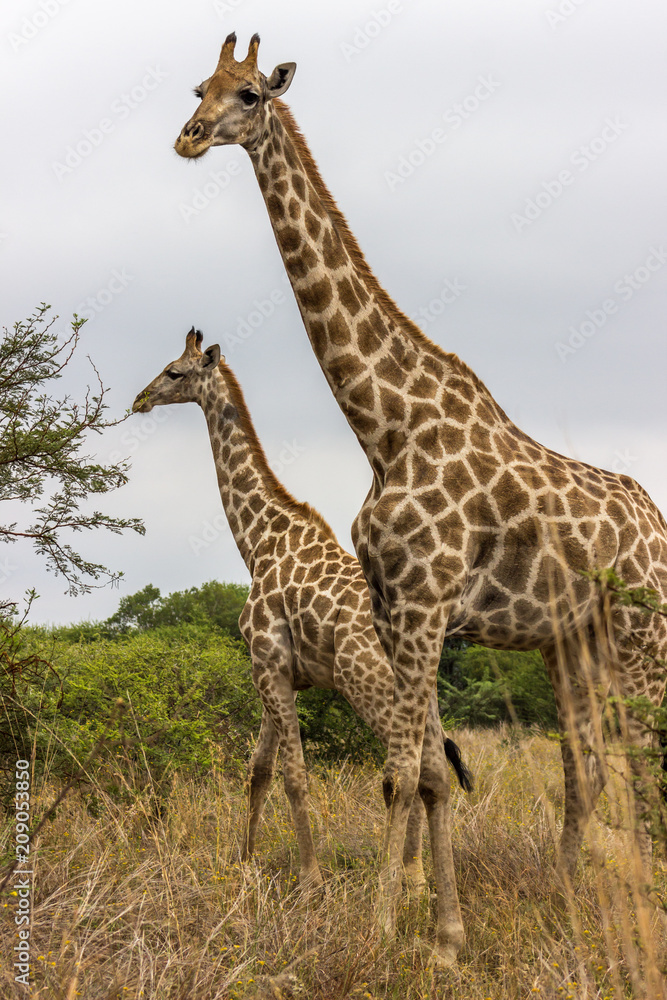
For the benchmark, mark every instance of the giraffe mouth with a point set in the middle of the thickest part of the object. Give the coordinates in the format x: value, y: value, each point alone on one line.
x: 142, y: 404
x: 192, y: 148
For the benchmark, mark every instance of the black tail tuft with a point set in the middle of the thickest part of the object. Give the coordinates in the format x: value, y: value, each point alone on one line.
x: 454, y: 757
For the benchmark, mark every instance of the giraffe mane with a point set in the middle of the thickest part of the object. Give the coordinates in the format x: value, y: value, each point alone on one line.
x: 278, y: 490
x: 356, y: 253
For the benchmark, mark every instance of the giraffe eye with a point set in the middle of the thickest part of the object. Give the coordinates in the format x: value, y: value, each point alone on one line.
x: 198, y: 92
x: 249, y: 98
x: 174, y: 374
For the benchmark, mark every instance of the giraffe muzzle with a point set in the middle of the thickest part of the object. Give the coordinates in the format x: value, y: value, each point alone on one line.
x: 142, y: 404
x: 193, y: 140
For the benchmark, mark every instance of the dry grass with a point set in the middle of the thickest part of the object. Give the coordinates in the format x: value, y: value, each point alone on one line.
x: 138, y: 905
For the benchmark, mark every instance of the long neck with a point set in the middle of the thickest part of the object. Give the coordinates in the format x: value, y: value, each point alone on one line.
x: 256, y: 504
x: 365, y: 345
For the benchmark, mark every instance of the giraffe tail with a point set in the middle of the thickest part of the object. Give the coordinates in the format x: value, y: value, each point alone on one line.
x: 463, y: 773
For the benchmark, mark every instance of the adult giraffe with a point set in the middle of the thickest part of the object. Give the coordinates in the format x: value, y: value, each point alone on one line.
x: 470, y: 525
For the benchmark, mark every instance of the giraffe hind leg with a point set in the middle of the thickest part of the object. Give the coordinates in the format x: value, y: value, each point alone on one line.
x: 261, y: 771
x: 434, y: 788
x: 413, y: 865
x: 271, y: 679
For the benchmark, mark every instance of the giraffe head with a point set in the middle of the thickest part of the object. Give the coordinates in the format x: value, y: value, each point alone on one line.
x: 182, y: 381
x: 234, y: 102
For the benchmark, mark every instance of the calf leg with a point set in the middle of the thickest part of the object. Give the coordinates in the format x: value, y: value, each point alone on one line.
x: 277, y: 694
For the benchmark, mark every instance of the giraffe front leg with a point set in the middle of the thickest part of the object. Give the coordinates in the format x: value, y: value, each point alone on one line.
x: 262, y: 767
x: 399, y: 789
x: 275, y: 689
x: 584, y: 768
x: 360, y: 534
x: 645, y: 805
x: 581, y: 793
x: 415, y: 667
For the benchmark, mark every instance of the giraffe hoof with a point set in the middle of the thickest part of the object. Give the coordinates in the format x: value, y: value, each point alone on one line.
x: 447, y: 945
x: 414, y: 878
x: 439, y: 959
x: 415, y: 887
x: 444, y: 955
x: 387, y: 924
x: 310, y: 882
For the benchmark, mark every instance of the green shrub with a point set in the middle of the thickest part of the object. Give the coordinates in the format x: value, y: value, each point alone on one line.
x: 188, y: 695
x: 189, y: 700
x: 213, y: 604
x: 484, y: 683
x: 331, y: 730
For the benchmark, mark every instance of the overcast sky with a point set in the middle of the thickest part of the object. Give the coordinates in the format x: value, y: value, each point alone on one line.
x: 502, y: 163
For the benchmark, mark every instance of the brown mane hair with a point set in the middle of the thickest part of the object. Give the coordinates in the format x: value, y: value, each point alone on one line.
x: 343, y: 229
x: 356, y: 253
x: 277, y: 489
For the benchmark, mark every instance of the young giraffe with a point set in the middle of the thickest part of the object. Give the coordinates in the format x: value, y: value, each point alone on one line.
x: 470, y: 526
x: 307, y: 619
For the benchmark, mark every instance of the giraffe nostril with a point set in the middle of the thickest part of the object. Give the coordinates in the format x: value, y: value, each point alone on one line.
x: 194, y: 130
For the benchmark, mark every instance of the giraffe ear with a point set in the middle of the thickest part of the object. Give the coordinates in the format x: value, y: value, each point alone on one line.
x: 281, y: 78
x: 211, y: 357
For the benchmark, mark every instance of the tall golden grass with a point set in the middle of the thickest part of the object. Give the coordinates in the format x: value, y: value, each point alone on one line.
x: 150, y: 900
